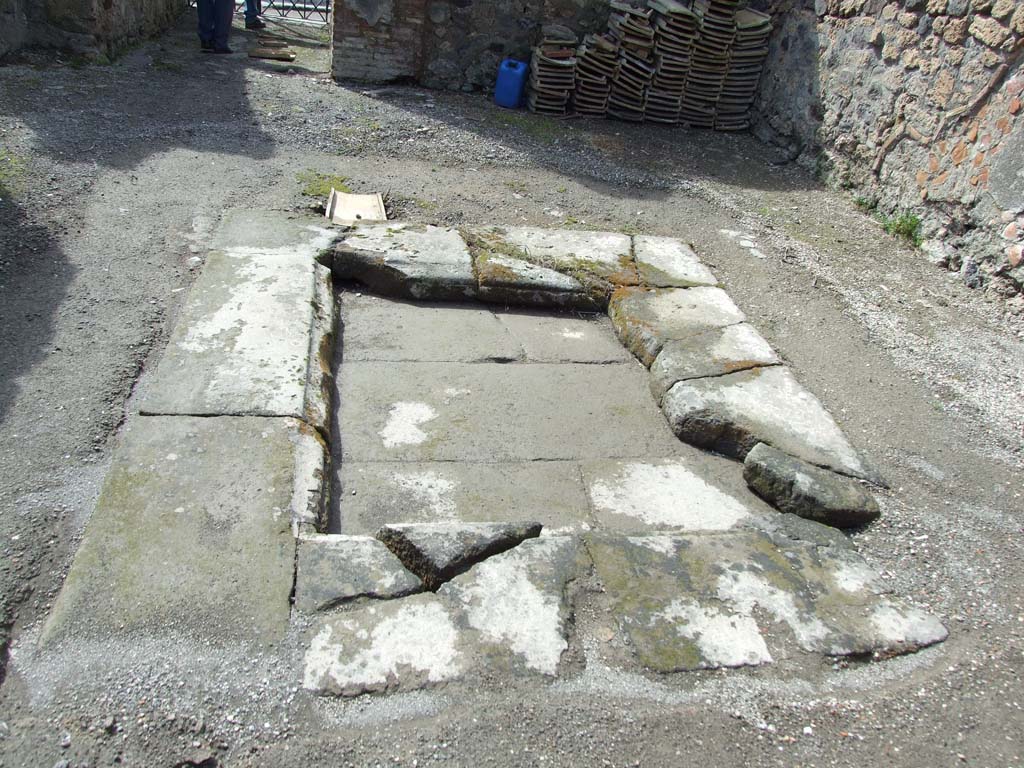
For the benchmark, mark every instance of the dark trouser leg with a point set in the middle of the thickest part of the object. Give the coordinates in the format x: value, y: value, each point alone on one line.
x: 252, y: 10
x: 224, y: 11
x: 207, y: 20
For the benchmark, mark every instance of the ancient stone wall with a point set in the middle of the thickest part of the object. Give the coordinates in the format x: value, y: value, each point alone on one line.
x: 13, y: 25
x: 454, y: 44
x: 914, y: 106
x: 89, y: 27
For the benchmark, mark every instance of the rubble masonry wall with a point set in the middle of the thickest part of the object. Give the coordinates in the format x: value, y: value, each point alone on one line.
x: 88, y: 27
x: 915, y: 107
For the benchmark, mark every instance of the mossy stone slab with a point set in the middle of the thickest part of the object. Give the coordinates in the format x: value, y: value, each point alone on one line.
x: 583, y: 255
x: 192, y: 533
x: 748, y: 598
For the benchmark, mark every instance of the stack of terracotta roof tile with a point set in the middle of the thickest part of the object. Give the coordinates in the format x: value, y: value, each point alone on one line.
x: 695, y: 62
x: 631, y: 28
x: 553, y: 71
x: 710, y: 62
x: 746, y: 59
x: 676, y: 28
x: 597, y: 66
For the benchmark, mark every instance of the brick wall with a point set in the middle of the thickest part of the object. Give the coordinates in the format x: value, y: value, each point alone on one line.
x: 453, y: 44
x: 378, y: 41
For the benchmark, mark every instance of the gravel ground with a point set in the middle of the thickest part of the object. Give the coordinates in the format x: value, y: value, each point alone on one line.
x: 112, y: 177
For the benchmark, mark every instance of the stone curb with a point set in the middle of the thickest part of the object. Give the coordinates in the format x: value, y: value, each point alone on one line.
x: 661, y: 298
x: 242, y: 345
x: 225, y: 465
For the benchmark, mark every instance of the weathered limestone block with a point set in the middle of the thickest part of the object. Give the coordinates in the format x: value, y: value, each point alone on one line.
x: 688, y: 602
x: 665, y: 262
x: 646, y: 320
x: 799, y: 488
x: 712, y: 353
x: 416, y: 261
x: 731, y: 414
x: 393, y: 645
x: 510, y: 612
x: 386, y: 493
x: 332, y: 570
x: 689, y: 493
x: 192, y: 533
x: 254, y: 336
x: 517, y: 606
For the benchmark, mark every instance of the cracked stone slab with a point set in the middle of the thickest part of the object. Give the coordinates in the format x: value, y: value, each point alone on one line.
x: 799, y: 488
x: 510, y: 612
x: 395, y: 645
x: 665, y: 262
x: 582, y: 255
x: 253, y: 337
x: 437, y: 552
x: 193, y: 532
x: 731, y: 414
x: 332, y: 570
x: 511, y: 281
x: 516, y: 606
x: 409, y: 260
x: 712, y: 353
x: 381, y: 329
x: 747, y: 598
x: 375, y: 494
x: 496, y: 413
x: 565, y: 338
x: 646, y: 320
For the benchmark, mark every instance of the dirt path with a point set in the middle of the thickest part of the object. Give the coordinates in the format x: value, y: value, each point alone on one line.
x: 114, y: 175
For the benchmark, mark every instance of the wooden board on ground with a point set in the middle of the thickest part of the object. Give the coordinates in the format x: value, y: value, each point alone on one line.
x: 275, y: 54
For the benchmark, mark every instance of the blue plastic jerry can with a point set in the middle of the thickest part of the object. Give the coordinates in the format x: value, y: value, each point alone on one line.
x: 508, y: 92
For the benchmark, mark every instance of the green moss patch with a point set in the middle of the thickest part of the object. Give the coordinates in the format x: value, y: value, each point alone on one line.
x: 316, y: 184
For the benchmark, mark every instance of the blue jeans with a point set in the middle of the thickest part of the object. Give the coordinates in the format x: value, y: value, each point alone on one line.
x: 215, y: 21
x: 253, y: 8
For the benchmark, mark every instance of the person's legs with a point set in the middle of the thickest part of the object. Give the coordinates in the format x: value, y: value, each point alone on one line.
x: 207, y: 23
x: 224, y: 10
x: 253, y: 9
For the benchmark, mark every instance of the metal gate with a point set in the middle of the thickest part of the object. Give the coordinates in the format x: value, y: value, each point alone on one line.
x: 317, y: 11
x: 313, y: 11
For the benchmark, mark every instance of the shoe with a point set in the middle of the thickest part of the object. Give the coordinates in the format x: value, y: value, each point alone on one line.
x: 255, y: 24
x: 225, y: 49
x: 206, y: 46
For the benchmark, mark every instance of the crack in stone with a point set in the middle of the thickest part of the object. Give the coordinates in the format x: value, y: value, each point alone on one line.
x: 438, y: 552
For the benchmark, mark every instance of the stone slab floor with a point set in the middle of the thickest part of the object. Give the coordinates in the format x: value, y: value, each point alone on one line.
x: 457, y: 412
